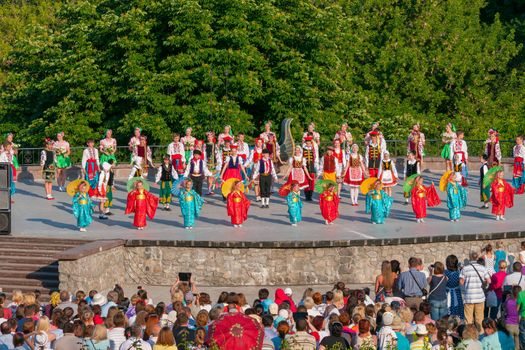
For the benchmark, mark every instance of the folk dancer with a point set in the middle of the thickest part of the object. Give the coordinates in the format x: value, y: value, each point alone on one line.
x: 456, y: 198
x: 374, y: 154
x: 141, y: 158
x: 108, y: 204
x: 189, y: 143
x: 416, y: 142
x: 458, y: 167
x: 48, y: 163
x: 345, y: 137
x: 243, y: 148
x: 177, y: 154
x: 270, y: 141
x: 502, y: 196
x: 83, y: 207
x: 62, y: 151
x: 166, y: 174
x: 340, y: 154
x: 447, y: 138
x: 459, y: 147
x: 310, y: 131
x: 484, y: 191
x: 142, y: 203
x: 518, y: 174
x: 14, y: 151
x: 197, y: 170
x: 492, y: 149
x: 297, y: 170
x: 237, y: 205
x: 6, y: 156
x: 295, y: 205
x: 329, y: 204
x: 331, y: 168
x: 311, y: 156
x: 101, y: 192
x: 354, y: 173
x: 380, y: 138
x: 388, y: 173
x: 421, y: 197
x: 264, y: 171
x: 227, y: 133
x: 378, y: 203
x: 233, y: 166
x: 134, y: 141
x: 256, y: 155
x: 412, y: 166
x: 211, y: 155
x: 108, y: 147
x: 91, y: 166
x: 190, y: 204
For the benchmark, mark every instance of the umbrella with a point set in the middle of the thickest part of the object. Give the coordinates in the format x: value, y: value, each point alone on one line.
x: 236, y: 332
x: 321, y: 185
x: 131, y: 183
x: 409, y: 183
x: 444, y: 180
x: 72, y: 187
x: 491, y: 175
x: 285, y: 189
x: 367, y: 184
x: 227, y: 186
x: 177, y: 184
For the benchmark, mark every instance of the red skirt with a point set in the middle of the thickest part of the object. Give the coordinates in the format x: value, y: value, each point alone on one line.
x: 298, y: 174
x: 232, y: 173
x: 354, y: 177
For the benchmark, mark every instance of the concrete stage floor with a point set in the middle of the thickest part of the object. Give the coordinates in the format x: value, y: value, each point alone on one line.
x: 34, y: 216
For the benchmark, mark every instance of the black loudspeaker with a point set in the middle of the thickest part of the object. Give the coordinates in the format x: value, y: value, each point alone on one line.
x: 5, y: 198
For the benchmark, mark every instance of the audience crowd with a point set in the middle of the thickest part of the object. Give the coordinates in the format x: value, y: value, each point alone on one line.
x: 473, y: 304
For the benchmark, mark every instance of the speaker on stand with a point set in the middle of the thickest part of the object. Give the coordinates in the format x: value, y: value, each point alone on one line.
x: 5, y: 198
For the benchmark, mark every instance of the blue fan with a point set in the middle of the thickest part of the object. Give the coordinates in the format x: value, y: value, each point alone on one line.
x: 175, y: 188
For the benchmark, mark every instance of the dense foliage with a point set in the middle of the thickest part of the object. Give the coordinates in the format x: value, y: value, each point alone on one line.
x: 166, y: 64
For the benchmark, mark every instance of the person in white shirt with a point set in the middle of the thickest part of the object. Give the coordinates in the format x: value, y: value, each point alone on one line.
x: 515, y: 278
x: 135, y: 342
x: 264, y: 171
x: 177, y: 154
x: 91, y: 166
x: 196, y: 170
x: 243, y: 148
x: 386, y: 337
x: 116, y: 334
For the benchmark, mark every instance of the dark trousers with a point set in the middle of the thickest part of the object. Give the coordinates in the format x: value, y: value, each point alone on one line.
x: 265, y: 185
x: 197, y: 183
x: 308, y: 195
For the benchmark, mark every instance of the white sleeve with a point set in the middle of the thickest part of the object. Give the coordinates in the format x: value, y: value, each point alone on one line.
x: 394, y: 170
x: 498, y: 152
x: 96, y: 157
x: 219, y: 160
x: 465, y: 150
x: 174, y: 174
x: 159, y: 174
x: 187, y: 171
x: 366, y: 155
x: 418, y: 168
x: 405, y: 169
x: 338, y: 169
x: 274, y: 174
x: 85, y: 156
x: 320, y: 170
x: 205, y: 169
x: 170, y: 149
x: 255, y: 171
x: 43, y: 158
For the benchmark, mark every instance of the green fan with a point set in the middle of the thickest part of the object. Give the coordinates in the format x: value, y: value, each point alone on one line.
x: 409, y: 183
x: 131, y: 183
x: 491, y: 175
x: 321, y: 185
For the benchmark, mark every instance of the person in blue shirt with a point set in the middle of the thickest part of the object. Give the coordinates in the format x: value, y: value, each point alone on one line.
x: 264, y: 298
x: 494, y: 337
x: 411, y: 283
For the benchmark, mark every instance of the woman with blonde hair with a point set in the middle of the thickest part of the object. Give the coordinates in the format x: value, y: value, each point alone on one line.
x: 99, y: 340
x: 16, y: 299
x: 385, y: 282
x: 44, y: 326
x: 165, y: 340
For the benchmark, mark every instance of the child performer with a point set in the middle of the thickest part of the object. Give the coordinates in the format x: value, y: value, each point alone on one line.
x: 421, y: 197
x: 189, y: 143
x: 264, y: 171
x: 211, y: 155
x: 141, y: 158
x: 502, y: 196
x: 459, y: 147
x: 492, y: 149
x: 297, y: 171
x: 102, y: 189
x: 62, y: 151
x: 378, y: 203
x: 7, y: 156
x: 518, y: 178
x: 108, y: 147
x: 460, y: 170
x: 354, y: 173
x: 91, y: 166
x: 456, y: 198
x: 166, y: 174
x: 108, y: 204
x: 388, y: 173
x: 177, y: 154
x: 484, y: 191
x: 255, y: 156
x: 340, y: 154
x: 331, y: 168
x: 196, y: 170
x: 447, y: 138
x: 412, y: 167
x: 142, y: 203
x: 83, y: 206
x: 233, y: 166
x: 237, y: 205
x: 374, y: 153
x: 190, y: 204
x: 295, y: 205
x: 329, y: 204
x: 243, y: 148
x: 311, y: 155
x: 48, y: 162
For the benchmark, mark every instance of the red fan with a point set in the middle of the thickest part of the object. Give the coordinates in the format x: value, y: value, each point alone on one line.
x: 236, y: 332
x: 285, y: 189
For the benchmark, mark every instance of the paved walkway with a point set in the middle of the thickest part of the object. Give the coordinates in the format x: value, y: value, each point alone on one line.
x: 34, y: 216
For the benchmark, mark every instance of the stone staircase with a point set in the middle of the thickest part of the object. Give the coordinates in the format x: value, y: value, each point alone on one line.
x: 28, y: 263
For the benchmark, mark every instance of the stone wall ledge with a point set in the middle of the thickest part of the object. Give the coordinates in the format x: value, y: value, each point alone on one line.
x: 89, y: 248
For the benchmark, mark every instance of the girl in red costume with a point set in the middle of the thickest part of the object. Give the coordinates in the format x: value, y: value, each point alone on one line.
x: 142, y: 203
x: 421, y: 197
x: 237, y: 205
x: 329, y: 203
x: 502, y: 196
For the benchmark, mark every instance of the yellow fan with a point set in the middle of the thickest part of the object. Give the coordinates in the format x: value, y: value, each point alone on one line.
x: 367, y: 184
x: 444, y: 181
x: 72, y: 187
x: 227, y: 186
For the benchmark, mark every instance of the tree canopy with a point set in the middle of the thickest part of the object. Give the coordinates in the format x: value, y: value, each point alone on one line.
x: 84, y: 66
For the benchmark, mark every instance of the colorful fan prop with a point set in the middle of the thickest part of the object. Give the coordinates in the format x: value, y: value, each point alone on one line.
x: 366, y: 185
x: 491, y: 175
x: 321, y: 185
x: 227, y: 186
x: 285, y: 189
x: 409, y: 183
x: 72, y: 187
x: 444, y: 180
x: 177, y: 185
x: 133, y: 181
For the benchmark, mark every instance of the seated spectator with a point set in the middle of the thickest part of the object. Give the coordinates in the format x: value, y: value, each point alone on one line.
x: 70, y: 340
x: 301, y: 340
x: 386, y: 337
x: 282, y: 330
x: 165, y: 340
x: 399, y: 328
x: 421, y: 342
x: 335, y: 339
x: 65, y: 301
x: 99, y: 340
x: 365, y: 338
x: 6, y: 338
x: 135, y: 341
x: 19, y: 342
x: 116, y: 334
x: 181, y: 332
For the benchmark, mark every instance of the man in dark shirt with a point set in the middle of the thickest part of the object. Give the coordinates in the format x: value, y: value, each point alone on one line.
x: 184, y: 336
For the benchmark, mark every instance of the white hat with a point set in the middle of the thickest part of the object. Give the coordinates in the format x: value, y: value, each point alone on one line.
x: 388, y: 318
x: 283, y: 313
x: 99, y: 299
x: 273, y: 309
x: 172, y: 316
x: 421, y: 329
x: 288, y: 291
x: 41, y: 339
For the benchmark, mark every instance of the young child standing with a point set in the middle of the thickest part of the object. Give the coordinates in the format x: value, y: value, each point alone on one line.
x: 412, y: 167
x: 91, y: 166
x: 108, y: 204
x: 502, y: 196
x: 142, y: 204
x: 7, y: 156
x: 460, y: 170
x: 48, y: 161
x: 83, y: 207
x: 237, y: 205
x: 518, y: 174
x: 456, y: 198
x: 190, y: 204
x: 484, y: 192
x: 422, y: 197
x: 295, y: 205
x: 378, y: 203
x: 264, y: 171
x: 329, y: 204
x: 166, y: 174
x: 388, y: 173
